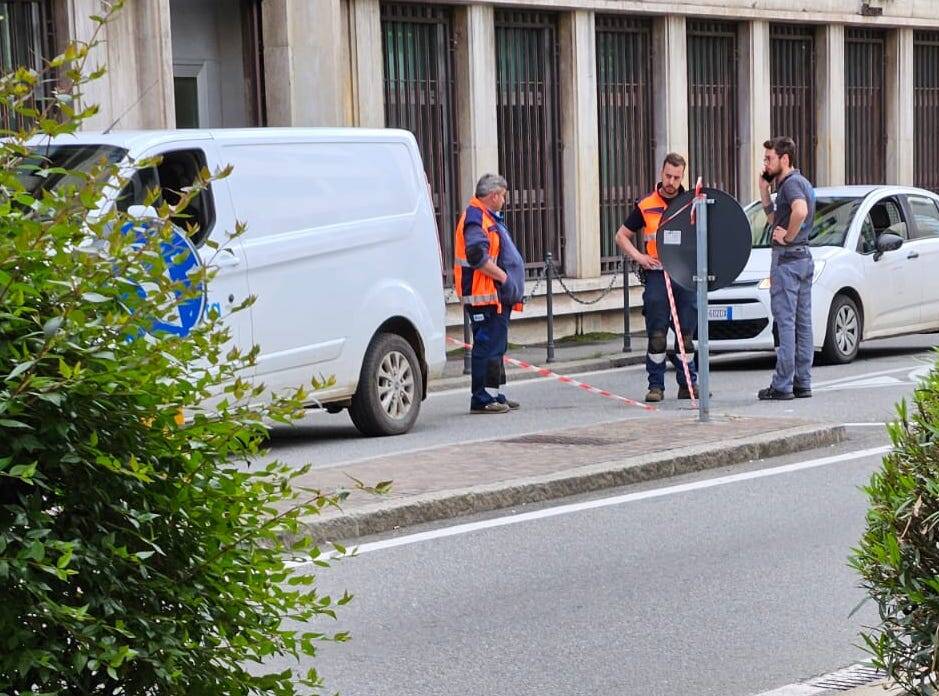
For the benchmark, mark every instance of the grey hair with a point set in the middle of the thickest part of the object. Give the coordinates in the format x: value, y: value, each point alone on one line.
x: 488, y: 183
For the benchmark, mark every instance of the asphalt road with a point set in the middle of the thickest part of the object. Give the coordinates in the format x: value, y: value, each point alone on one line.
x: 729, y: 586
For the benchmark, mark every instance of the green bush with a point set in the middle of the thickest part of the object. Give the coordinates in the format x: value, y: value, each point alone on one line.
x: 898, y: 555
x: 138, y: 554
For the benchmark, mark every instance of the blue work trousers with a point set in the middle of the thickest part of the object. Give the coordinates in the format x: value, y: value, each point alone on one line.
x: 791, y: 303
x: 657, y: 312
x: 490, y: 341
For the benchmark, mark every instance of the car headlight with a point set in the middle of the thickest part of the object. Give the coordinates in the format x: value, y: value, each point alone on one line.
x: 766, y: 284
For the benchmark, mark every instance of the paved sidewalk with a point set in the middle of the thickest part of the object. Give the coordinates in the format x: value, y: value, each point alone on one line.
x: 453, y: 480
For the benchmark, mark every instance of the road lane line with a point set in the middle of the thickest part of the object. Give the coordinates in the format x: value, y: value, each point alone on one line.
x: 864, y: 375
x: 605, y: 502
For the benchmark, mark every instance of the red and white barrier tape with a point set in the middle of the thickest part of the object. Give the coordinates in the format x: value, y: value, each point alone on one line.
x: 544, y: 372
x: 681, y: 341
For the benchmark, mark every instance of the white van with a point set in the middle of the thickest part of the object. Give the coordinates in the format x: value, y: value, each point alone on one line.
x: 341, y: 252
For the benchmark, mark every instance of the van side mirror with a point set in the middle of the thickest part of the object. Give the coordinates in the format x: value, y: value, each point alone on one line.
x: 887, y: 241
x: 142, y: 212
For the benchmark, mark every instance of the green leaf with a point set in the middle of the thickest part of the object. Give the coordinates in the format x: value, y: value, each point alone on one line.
x: 11, y: 423
x: 52, y: 326
x: 20, y: 369
x: 95, y: 297
x: 23, y: 471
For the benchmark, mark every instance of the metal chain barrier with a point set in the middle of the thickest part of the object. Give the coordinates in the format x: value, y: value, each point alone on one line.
x: 569, y: 292
x: 534, y: 289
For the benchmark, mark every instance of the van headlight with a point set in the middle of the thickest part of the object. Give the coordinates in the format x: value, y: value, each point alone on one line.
x: 765, y: 284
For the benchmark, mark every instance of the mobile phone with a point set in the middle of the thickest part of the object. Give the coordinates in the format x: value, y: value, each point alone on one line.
x: 767, y: 176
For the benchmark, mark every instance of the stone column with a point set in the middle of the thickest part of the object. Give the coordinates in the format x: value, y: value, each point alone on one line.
x: 671, y: 113
x: 137, y: 90
x: 755, y: 109
x: 900, y: 107
x: 830, y: 93
x: 366, y: 64
x: 475, y: 67
x: 305, y: 75
x: 579, y: 124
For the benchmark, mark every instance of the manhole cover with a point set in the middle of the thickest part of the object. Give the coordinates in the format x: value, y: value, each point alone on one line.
x: 549, y: 439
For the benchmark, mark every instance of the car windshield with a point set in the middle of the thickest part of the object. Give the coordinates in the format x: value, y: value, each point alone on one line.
x: 832, y: 219
x: 33, y: 171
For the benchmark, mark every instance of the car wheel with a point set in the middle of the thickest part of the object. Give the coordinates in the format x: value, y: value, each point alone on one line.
x: 388, y: 398
x: 843, y: 335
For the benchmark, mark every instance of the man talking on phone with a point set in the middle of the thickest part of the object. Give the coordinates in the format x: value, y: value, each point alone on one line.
x: 791, y: 270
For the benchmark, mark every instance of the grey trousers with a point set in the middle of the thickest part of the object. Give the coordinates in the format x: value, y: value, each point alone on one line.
x: 791, y: 304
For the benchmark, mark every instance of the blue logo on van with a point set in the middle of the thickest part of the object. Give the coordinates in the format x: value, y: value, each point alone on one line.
x: 184, y: 266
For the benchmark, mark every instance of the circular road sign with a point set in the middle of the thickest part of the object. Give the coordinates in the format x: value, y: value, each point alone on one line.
x: 729, y: 240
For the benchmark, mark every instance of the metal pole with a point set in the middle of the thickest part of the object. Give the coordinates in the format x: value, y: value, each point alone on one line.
x: 467, y: 352
x: 627, y: 339
x: 704, y: 367
x: 549, y: 298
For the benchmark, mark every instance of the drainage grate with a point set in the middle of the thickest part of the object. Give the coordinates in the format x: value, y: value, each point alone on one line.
x: 547, y: 439
x: 847, y: 678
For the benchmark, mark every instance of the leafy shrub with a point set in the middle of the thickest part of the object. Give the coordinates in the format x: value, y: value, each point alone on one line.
x: 139, y: 553
x: 898, y: 555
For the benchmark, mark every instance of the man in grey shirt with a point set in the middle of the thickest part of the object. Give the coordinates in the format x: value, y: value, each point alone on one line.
x: 791, y: 271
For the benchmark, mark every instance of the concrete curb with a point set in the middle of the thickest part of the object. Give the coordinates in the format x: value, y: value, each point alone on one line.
x: 607, y: 362
x: 448, y: 504
x: 880, y: 688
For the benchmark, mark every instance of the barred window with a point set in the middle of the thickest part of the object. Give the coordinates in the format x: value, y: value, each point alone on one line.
x: 26, y: 40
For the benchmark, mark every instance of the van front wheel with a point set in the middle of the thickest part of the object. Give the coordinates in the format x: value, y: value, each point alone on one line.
x: 388, y: 398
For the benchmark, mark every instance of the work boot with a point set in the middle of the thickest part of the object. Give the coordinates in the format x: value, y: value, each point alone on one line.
x: 685, y: 393
x: 513, y: 405
x: 655, y: 395
x: 773, y: 394
x: 491, y: 407
x: 802, y: 392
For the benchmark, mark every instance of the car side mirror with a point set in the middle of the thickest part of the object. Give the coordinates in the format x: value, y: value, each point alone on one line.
x: 887, y: 241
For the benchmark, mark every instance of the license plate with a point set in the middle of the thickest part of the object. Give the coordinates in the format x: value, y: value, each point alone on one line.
x: 721, y: 313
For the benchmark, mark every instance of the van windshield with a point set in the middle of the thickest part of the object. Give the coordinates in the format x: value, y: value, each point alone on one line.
x: 74, y: 158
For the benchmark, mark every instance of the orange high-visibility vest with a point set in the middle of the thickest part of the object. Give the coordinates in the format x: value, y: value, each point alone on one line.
x: 475, y: 287
x: 652, y: 208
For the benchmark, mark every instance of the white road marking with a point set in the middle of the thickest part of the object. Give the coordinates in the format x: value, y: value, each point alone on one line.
x: 571, y: 508
x: 865, y: 383
x: 864, y: 425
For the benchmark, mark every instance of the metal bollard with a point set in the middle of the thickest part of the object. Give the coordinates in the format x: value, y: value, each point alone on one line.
x: 548, y: 272
x: 627, y: 339
x: 467, y: 334
x: 549, y: 298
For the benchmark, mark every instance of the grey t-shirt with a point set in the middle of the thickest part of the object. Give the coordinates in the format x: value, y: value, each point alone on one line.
x: 794, y: 187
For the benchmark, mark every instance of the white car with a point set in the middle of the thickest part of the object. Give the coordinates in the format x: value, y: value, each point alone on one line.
x: 876, y: 252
